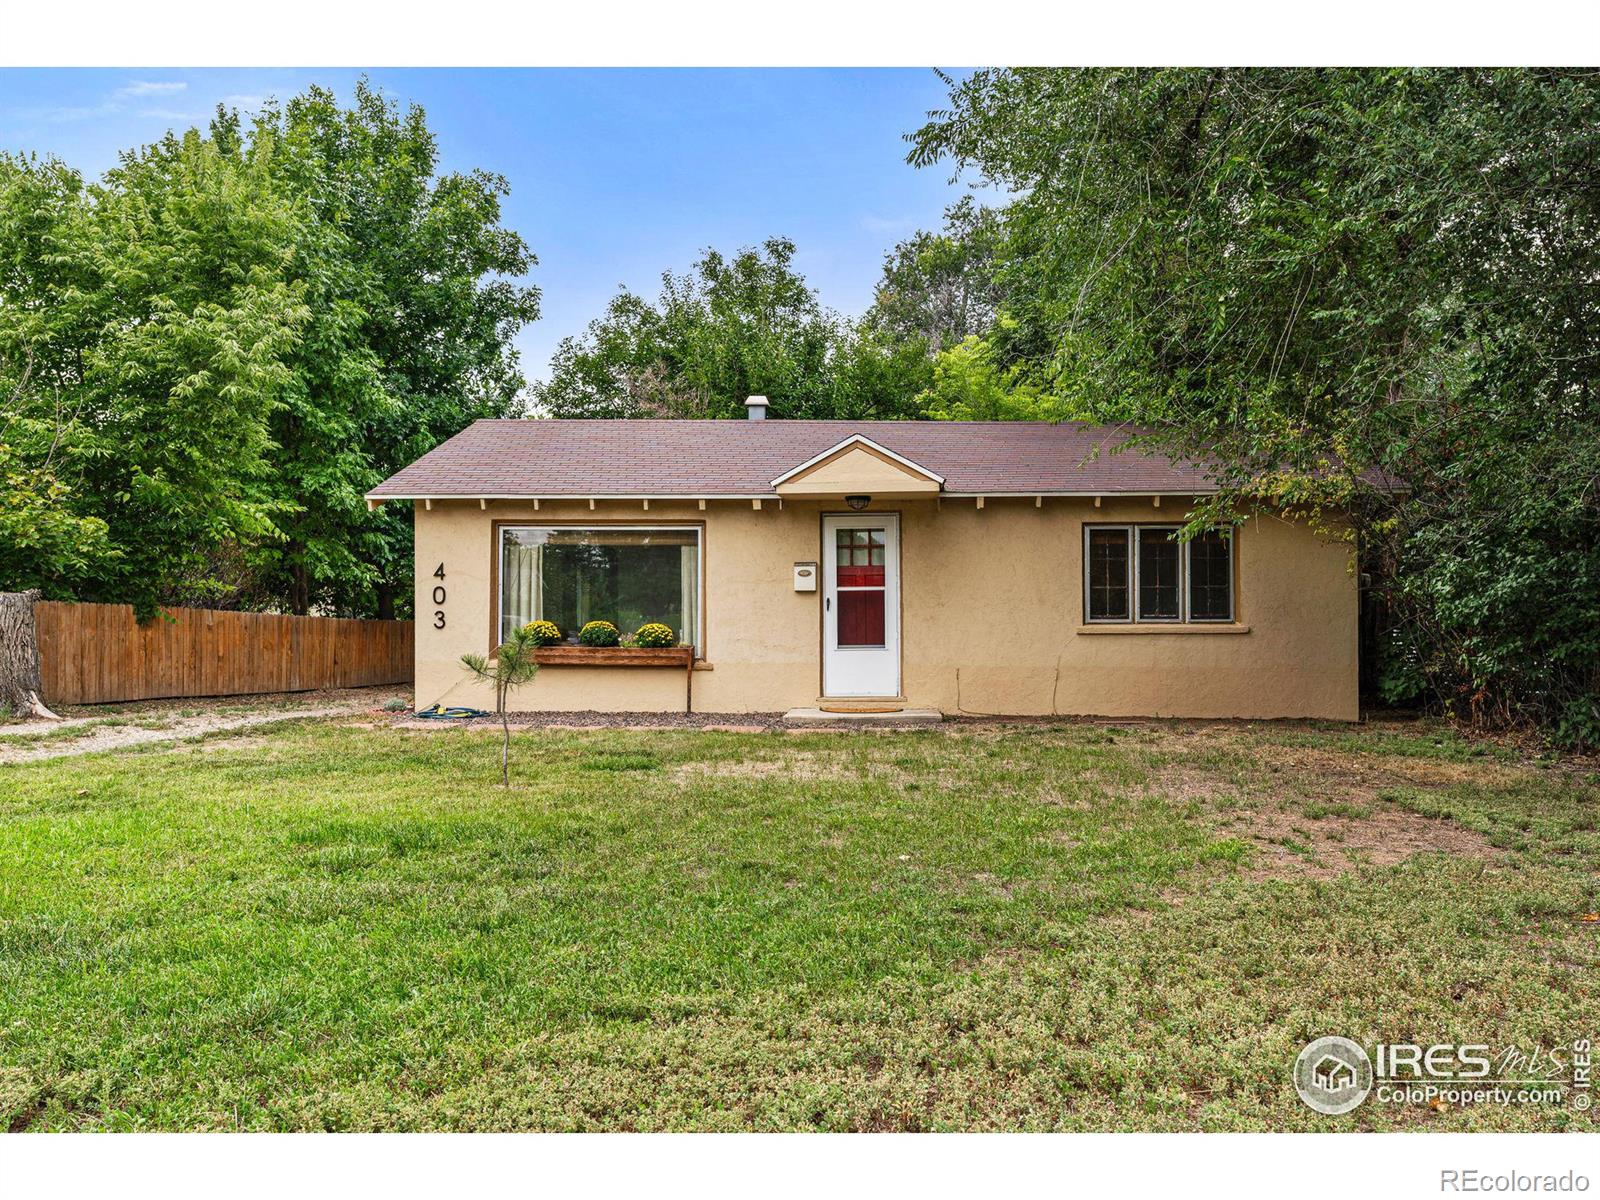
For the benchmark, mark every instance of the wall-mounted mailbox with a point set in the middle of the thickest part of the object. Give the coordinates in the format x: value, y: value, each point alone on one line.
x: 805, y: 577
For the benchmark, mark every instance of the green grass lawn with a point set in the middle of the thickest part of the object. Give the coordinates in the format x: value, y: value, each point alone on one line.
x: 1070, y: 927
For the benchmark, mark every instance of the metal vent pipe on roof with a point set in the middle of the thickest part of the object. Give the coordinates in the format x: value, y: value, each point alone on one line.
x: 756, y: 408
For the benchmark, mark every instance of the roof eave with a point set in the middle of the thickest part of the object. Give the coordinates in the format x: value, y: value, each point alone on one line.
x: 1064, y: 493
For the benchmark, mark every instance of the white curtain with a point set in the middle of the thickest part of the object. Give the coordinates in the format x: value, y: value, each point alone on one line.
x: 689, y: 594
x: 521, y: 586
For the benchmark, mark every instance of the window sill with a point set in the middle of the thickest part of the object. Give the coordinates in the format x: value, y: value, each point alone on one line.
x: 1151, y: 627
x: 614, y: 656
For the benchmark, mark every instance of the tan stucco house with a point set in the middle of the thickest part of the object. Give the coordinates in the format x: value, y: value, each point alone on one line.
x: 966, y: 567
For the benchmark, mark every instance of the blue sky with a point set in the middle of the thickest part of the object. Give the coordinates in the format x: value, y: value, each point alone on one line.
x: 615, y: 175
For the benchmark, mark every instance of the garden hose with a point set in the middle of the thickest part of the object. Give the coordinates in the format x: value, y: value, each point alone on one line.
x: 440, y: 713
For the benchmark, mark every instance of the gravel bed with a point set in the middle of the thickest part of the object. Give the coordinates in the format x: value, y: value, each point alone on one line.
x: 724, y: 722
x: 740, y: 722
x: 118, y: 737
x: 250, y: 702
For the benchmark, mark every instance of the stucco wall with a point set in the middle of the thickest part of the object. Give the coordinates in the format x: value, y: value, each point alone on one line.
x: 992, y: 604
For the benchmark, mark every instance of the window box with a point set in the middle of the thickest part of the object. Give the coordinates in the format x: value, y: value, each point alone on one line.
x: 681, y: 657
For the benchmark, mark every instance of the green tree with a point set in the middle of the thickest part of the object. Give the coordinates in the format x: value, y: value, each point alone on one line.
x: 230, y: 338
x: 511, y: 667
x: 940, y: 288
x: 48, y: 538
x: 417, y: 294
x: 154, y: 311
x: 1317, y: 273
x: 970, y: 385
x: 874, y: 376
x: 44, y: 542
x: 728, y: 329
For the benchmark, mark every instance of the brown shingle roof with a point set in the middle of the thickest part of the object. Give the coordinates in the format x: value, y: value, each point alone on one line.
x: 741, y: 458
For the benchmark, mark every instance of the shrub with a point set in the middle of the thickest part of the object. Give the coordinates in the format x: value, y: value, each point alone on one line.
x: 599, y: 633
x: 543, y: 633
x: 654, y: 635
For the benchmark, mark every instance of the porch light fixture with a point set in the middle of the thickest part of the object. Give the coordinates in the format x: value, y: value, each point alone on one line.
x: 857, y: 503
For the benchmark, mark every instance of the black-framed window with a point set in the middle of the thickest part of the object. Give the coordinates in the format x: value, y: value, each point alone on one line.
x: 1211, y: 576
x: 1158, y: 574
x: 1106, y: 574
x: 1145, y: 573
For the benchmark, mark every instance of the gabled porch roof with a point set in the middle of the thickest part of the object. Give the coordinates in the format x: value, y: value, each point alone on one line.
x: 858, y: 465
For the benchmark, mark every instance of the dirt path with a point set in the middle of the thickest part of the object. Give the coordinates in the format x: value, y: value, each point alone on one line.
x: 86, y: 735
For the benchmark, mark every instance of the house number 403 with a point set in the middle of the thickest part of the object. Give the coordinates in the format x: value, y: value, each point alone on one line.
x: 438, y: 598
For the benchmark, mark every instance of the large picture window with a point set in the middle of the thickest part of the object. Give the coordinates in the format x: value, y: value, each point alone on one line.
x: 629, y: 576
x: 1144, y: 573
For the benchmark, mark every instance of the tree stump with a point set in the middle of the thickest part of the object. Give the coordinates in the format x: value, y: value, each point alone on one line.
x: 20, y: 682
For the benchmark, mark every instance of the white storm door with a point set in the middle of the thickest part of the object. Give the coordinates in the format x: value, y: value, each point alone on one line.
x: 861, y: 605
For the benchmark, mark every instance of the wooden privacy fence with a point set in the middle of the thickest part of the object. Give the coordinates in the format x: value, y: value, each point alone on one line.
x: 97, y: 653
